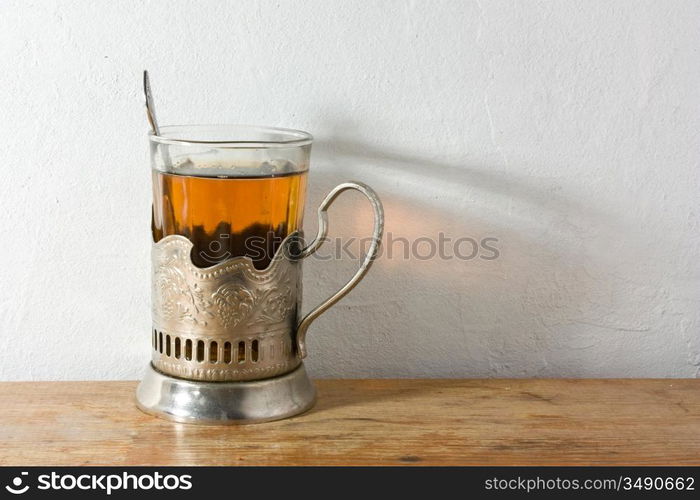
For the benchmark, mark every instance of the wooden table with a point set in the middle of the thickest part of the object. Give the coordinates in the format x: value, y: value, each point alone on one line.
x: 436, y: 422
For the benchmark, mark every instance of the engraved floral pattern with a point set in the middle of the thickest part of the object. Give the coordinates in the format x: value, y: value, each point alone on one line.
x: 234, y: 303
x: 175, y: 298
x: 274, y: 304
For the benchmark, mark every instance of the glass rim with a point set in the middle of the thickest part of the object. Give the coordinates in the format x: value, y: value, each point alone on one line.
x: 289, y: 138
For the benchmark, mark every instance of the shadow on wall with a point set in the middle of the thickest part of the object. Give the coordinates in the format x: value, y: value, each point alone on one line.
x: 526, y: 312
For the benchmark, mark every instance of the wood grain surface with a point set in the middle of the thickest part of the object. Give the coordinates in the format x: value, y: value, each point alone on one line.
x: 369, y: 422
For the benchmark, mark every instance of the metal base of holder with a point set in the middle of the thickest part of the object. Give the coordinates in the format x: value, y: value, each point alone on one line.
x: 248, y: 402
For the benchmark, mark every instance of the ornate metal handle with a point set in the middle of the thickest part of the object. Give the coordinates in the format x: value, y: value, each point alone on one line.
x: 319, y: 240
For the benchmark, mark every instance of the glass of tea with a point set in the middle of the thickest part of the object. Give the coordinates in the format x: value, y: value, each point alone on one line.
x: 228, y: 205
x: 229, y: 197
x: 227, y: 336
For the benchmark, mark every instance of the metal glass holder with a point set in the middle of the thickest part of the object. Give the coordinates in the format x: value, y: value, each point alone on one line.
x: 227, y: 346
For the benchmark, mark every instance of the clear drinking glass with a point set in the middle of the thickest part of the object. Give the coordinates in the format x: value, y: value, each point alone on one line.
x: 231, y: 198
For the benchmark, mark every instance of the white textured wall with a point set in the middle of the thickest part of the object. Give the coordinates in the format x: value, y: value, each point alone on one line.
x: 568, y: 130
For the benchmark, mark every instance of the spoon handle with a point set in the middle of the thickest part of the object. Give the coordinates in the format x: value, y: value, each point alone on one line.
x: 150, y: 109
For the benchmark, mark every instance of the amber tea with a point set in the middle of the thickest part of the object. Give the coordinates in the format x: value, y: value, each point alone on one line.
x: 228, y: 217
